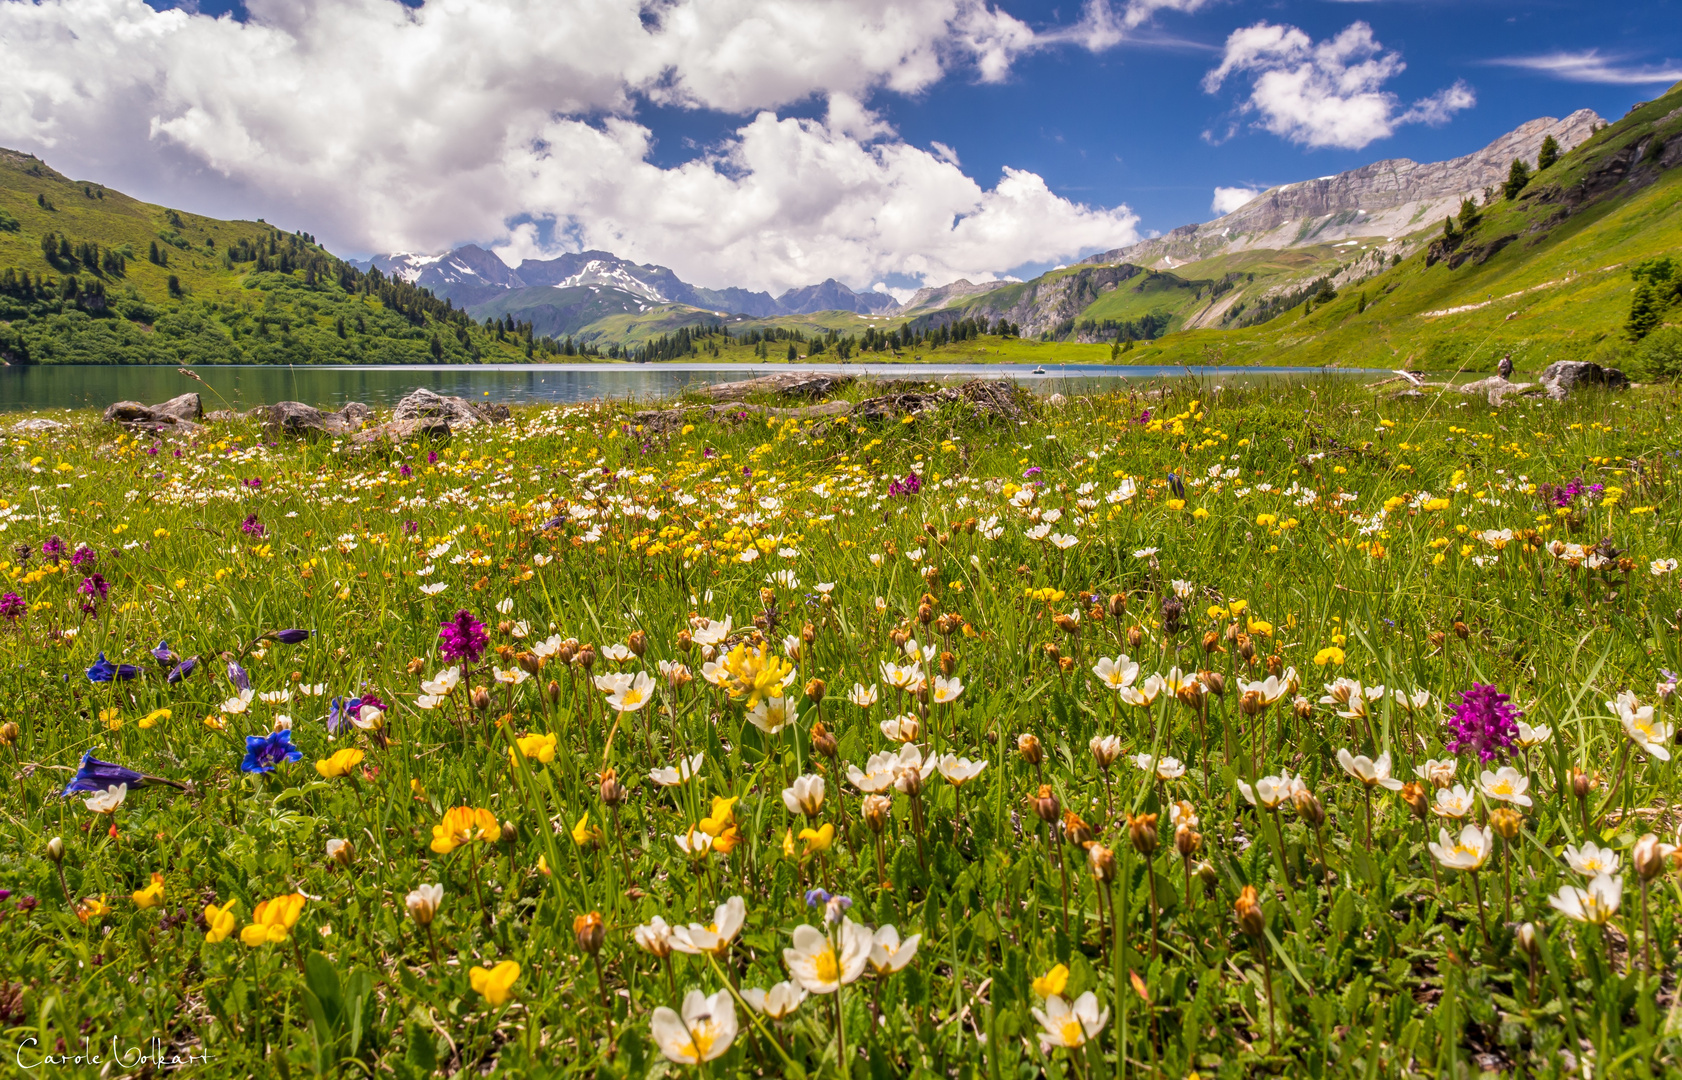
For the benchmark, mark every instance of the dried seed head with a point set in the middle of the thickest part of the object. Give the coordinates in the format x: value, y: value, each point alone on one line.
x: 808, y: 634
x: 481, y: 698
x: 637, y: 642
x: 1066, y: 623
x: 586, y: 656
x: 1649, y: 857
x: 612, y: 791
x: 685, y: 641
x: 1141, y: 829
x: 1135, y: 637
x: 509, y: 832
x: 1102, y: 861
x: 1052, y: 652
x: 1582, y: 783
x: 529, y: 662
x: 1187, y: 841
x: 1461, y: 630
x: 1046, y: 805
x: 1118, y: 604
x: 925, y: 614
x: 1213, y: 681
x: 948, y: 663
x: 876, y: 811
x: 1301, y: 707
x: 1028, y: 745
x: 815, y: 690
x: 1309, y: 808
x: 1413, y: 794
x: 822, y: 741
x: 1075, y: 830
x: 1276, y: 665
x: 1247, y: 907
x: 1211, y: 641
x: 589, y: 931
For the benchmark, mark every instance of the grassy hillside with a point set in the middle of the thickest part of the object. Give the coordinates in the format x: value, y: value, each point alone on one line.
x: 129, y: 282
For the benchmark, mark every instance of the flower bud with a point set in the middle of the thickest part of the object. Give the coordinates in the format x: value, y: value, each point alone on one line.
x: 1211, y: 641
x: 1052, y: 653
x: 8, y: 733
x: 529, y: 662
x: 925, y: 614
x: 509, y: 832
x: 1246, y: 648
x: 554, y: 691
x: 1102, y: 861
x: 1461, y: 630
x: 1529, y: 939
x: 1028, y: 746
x: 612, y: 791
x: 1582, y: 783
x: 341, y: 852
x: 898, y: 638
x: 1075, y: 830
x: 1301, y: 707
x: 1649, y: 857
x: 1213, y: 681
x: 815, y: 690
x: 1191, y: 694
x: 423, y: 903
x: 808, y: 634
x: 1248, y: 908
x: 1187, y: 841
x: 1413, y: 794
x: 1309, y: 808
x: 1206, y: 872
x: 822, y: 741
x: 1506, y: 821
x: 481, y: 698
x: 1437, y: 639
x: 586, y: 656
x: 876, y: 812
x: 948, y: 663
x: 1046, y: 805
x: 1118, y: 604
x: 637, y: 642
x: 504, y: 626
x: 1135, y: 637
x: 1275, y: 665
x: 1066, y: 623
x: 1141, y: 829
x: 1250, y: 704
x: 568, y: 652
x: 55, y: 850
x: 685, y: 641
x: 589, y: 931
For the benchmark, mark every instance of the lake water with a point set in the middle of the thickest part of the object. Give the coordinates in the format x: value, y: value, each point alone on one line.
x: 27, y: 389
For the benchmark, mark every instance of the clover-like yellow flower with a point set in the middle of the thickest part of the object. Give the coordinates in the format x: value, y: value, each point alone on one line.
x: 754, y: 672
x: 220, y: 921
x: 1331, y: 654
x: 273, y: 920
x: 342, y: 763
x: 153, y: 894
x: 818, y: 840
x: 538, y: 748
x: 584, y: 834
x: 495, y: 985
x: 463, y: 825
x: 1052, y: 983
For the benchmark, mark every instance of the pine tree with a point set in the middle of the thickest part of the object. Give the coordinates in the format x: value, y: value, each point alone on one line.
x: 1548, y: 154
x: 1518, y: 178
x: 1645, y: 310
x: 1470, y: 215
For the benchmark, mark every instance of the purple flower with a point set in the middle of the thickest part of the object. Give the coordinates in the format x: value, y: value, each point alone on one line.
x: 238, y: 676
x: 251, y: 526
x: 182, y: 670
x: 432, y: 457
x: 12, y: 607
x: 83, y: 556
x: 405, y: 472
x: 910, y: 485
x: 1483, y: 722
x: 254, y: 482
x: 52, y: 548
x: 97, y: 775
x: 263, y: 753
x: 104, y: 670
x: 410, y: 526
x: 164, y: 654
x: 290, y: 637
x: 94, y: 585
x: 1031, y: 471
x: 463, y: 637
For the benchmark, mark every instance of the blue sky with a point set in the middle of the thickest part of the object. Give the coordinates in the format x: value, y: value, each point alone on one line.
x: 774, y: 142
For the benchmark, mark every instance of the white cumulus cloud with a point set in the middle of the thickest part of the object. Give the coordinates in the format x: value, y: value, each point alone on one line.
x: 381, y: 127
x: 1228, y: 199
x: 1327, y: 93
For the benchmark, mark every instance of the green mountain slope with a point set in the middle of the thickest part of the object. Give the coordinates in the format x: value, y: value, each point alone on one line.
x: 89, y: 275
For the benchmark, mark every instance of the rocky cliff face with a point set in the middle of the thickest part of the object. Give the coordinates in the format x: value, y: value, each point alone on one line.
x: 1385, y: 200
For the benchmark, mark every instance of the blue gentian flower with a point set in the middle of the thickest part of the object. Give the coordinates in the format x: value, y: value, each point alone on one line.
x: 182, y: 670
x: 97, y: 775
x: 237, y: 676
x: 263, y: 753
x: 164, y: 655
x: 290, y: 637
x: 104, y: 670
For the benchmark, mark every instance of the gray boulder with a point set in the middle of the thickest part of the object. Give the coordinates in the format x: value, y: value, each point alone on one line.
x: 456, y: 412
x: 800, y: 384
x: 426, y: 428
x: 1564, y: 376
x: 1495, y: 388
x: 37, y: 425
x: 296, y: 418
x: 178, y: 414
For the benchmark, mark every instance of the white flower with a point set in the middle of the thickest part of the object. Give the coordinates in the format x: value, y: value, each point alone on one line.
x: 1272, y: 792
x: 1595, y: 904
x: 1661, y: 567
x: 704, y: 1030
x: 1368, y: 771
x: 434, y: 588
x: 772, y: 714
x: 238, y: 703
x: 1069, y: 1026
x: 804, y: 796
x: 1267, y: 691
x: 1455, y: 802
x: 717, y: 935
x: 1591, y: 861
x: 1146, y: 553
x: 633, y: 697
x: 947, y: 690
x: 511, y: 676
x: 888, y: 953
x: 1506, y: 784
x: 505, y: 605
x: 958, y: 771
x: 281, y: 722
x: 863, y: 696
x: 1143, y: 695
x: 423, y: 903
x: 777, y: 1002
x: 904, y: 728
x: 1439, y: 773
x: 813, y: 960
x: 670, y: 777
x: 443, y: 684
x: 1647, y: 732
x: 1117, y: 674
x: 878, y: 772
x: 748, y: 555
x: 275, y: 697
x: 711, y: 631
x: 694, y: 842
x: 907, y: 677
x: 1469, y: 852
x: 618, y: 653
x: 1105, y: 749
x: 1165, y: 768
x: 654, y: 937
x: 1063, y: 541
x: 107, y: 801
x: 1184, y: 589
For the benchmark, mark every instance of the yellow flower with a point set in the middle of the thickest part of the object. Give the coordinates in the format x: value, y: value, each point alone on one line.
x: 1260, y: 628
x: 721, y: 825
x: 340, y: 764
x: 788, y: 844
x: 220, y: 920
x: 1176, y: 504
x: 463, y: 825
x: 89, y: 909
x: 1237, y: 607
x: 538, y: 748
x: 153, y: 717
x: 755, y: 673
x: 111, y: 718
x: 1052, y: 983
x: 1436, y: 505
x: 153, y: 894
x: 543, y: 867
x: 495, y: 985
x: 584, y: 834
x: 818, y: 840
x: 273, y: 920
x: 1331, y: 654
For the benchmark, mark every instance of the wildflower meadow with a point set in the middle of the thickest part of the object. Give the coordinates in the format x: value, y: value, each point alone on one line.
x: 1280, y: 729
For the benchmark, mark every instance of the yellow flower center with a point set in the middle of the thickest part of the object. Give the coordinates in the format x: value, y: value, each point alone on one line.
x: 1071, y: 1032
x: 825, y: 967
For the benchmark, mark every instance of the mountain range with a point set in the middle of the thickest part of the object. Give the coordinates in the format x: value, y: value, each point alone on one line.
x: 563, y: 295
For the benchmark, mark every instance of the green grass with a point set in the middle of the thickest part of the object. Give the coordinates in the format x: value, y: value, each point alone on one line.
x: 1322, y: 529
